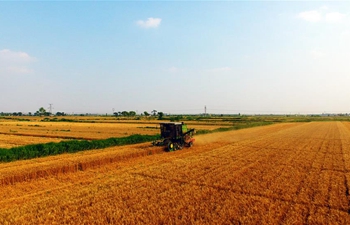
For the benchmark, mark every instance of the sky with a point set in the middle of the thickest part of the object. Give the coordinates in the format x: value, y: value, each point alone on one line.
x: 247, y: 57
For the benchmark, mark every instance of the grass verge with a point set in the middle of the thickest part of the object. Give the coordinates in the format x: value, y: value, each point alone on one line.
x: 48, y: 149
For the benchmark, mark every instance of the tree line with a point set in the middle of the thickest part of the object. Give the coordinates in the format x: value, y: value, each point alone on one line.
x: 43, y: 112
x: 133, y: 114
x: 40, y: 112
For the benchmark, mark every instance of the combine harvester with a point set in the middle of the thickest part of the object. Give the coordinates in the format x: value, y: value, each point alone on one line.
x: 175, y: 136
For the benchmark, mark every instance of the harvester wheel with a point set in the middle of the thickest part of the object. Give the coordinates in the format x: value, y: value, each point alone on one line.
x: 171, y: 146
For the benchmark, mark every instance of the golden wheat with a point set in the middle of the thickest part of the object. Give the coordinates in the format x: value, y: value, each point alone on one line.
x: 286, y: 173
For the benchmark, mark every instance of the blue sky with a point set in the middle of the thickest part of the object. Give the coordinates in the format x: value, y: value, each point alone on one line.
x: 176, y: 57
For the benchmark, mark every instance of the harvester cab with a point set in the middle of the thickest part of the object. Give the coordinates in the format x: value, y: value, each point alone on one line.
x: 175, y: 136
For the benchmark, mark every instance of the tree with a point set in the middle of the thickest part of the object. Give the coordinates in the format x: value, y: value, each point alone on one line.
x: 60, y: 114
x: 41, y: 112
x: 117, y: 114
x: 125, y: 113
x: 160, y: 115
x: 146, y: 113
x: 132, y: 113
x: 154, y: 112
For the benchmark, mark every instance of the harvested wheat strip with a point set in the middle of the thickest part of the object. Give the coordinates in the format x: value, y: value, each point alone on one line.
x: 49, y: 136
x: 74, y: 166
x: 227, y: 190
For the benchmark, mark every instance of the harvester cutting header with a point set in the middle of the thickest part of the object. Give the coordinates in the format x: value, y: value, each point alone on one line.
x: 175, y: 136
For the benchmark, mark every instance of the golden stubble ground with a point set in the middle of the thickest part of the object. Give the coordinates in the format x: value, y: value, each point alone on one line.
x: 296, y: 173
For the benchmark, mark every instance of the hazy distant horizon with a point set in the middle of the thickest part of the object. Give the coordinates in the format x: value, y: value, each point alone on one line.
x: 188, y: 112
x: 255, y: 57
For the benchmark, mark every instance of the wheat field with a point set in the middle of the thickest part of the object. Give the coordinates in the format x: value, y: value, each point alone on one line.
x: 19, y: 133
x: 289, y: 173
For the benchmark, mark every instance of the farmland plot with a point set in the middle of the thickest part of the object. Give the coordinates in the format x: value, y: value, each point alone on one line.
x: 279, y: 174
x: 74, y: 130
x: 20, y: 133
x: 9, y: 141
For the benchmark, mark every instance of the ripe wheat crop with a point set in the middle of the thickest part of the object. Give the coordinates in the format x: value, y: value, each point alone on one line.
x: 280, y: 174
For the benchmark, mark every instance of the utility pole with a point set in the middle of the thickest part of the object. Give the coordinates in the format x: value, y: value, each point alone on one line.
x: 50, y: 108
x: 205, y: 110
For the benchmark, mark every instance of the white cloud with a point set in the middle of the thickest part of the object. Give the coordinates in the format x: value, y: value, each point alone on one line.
x: 324, y: 7
x: 220, y: 69
x: 149, y: 23
x: 316, y: 53
x: 321, y: 15
x: 15, y: 62
x: 246, y: 57
x: 345, y: 34
x: 173, y: 69
x: 334, y: 17
x: 12, y: 56
x: 19, y: 70
x: 310, y: 16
